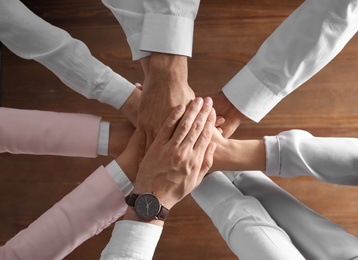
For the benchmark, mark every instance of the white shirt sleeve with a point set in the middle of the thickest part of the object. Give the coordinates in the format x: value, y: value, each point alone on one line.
x: 168, y: 26
x: 103, y: 138
x: 132, y: 240
x: 116, y: 172
x: 30, y: 37
x: 242, y: 221
x: 301, y: 46
x: 156, y: 25
x: 296, y: 152
x: 130, y: 15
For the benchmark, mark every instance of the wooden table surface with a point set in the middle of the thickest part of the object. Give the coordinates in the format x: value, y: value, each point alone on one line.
x: 227, y: 35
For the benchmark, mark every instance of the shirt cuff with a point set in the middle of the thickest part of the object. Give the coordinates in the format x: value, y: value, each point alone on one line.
x: 249, y: 95
x: 170, y: 34
x: 119, y: 177
x: 117, y: 91
x: 103, y: 138
x: 273, y: 160
x: 134, y: 42
x: 132, y: 240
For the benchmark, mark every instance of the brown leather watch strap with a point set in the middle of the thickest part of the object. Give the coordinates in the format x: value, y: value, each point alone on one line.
x: 163, y: 213
x: 130, y: 199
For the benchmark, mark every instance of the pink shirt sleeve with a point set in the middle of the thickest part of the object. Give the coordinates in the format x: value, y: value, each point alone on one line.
x: 83, y: 213
x: 51, y: 133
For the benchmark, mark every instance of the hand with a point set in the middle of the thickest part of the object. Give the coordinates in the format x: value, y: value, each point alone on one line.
x: 164, y: 88
x: 229, y: 118
x: 176, y: 162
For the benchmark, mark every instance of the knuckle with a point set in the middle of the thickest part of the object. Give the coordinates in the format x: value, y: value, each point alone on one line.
x: 185, y: 126
x: 193, y: 109
x: 206, y: 134
x: 197, y: 126
x: 207, y: 164
x: 206, y: 109
x: 178, y: 160
x: 193, y: 165
x: 165, y: 129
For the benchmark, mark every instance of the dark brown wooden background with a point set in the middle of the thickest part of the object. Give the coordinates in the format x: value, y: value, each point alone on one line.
x: 227, y: 35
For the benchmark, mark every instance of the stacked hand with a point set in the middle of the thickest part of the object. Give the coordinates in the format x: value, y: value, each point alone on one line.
x: 180, y: 156
x: 164, y: 88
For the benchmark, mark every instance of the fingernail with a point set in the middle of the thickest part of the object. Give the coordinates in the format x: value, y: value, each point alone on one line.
x: 199, y: 101
x: 212, y: 111
x: 220, y: 120
x: 181, y: 108
x: 208, y: 101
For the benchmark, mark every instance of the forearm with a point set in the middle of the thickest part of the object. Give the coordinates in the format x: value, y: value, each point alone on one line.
x: 239, y: 155
x: 167, y: 67
x: 119, y: 135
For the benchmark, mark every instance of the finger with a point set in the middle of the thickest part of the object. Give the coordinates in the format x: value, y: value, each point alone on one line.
x: 220, y: 130
x: 199, y: 122
x: 229, y: 128
x: 186, y: 122
x: 206, y: 134
x: 141, y: 144
x: 207, y: 161
x: 138, y: 86
x: 168, y: 127
x: 219, y: 121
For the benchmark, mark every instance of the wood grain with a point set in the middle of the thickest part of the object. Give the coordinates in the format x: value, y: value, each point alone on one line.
x: 227, y: 35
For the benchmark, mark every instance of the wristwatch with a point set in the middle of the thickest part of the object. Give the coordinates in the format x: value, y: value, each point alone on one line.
x: 147, y: 206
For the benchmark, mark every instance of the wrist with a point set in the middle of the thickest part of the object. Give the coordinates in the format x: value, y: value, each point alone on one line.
x: 131, y: 106
x: 118, y: 137
x: 132, y: 215
x: 168, y: 200
x: 128, y: 166
x: 240, y: 155
x: 169, y: 67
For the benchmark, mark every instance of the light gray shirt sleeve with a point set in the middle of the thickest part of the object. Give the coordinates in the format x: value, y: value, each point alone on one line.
x: 242, y: 221
x: 296, y: 152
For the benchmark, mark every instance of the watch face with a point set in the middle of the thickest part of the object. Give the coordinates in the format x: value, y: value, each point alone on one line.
x: 147, y: 206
